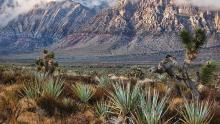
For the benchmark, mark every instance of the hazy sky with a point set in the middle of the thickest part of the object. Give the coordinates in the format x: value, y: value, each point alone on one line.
x: 209, y: 4
x: 92, y: 3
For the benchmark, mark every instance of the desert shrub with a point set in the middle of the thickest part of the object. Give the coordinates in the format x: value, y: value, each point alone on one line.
x: 32, y: 90
x: 136, y: 73
x: 42, y: 86
x: 124, y: 99
x: 151, y: 109
x: 196, y: 112
x: 83, y: 92
x: 12, y: 75
x: 162, y: 77
x: 48, y: 104
x: 102, y: 109
x: 10, y: 107
x: 66, y: 107
x: 92, y: 73
x: 207, y: 71
x: 104, y: 81
x: 45, y: 91
x: 8, y: 76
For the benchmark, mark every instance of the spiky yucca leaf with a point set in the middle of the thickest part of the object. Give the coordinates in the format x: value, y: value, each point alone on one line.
x: 83, y: 92
x: 102, y: 109
x: 152, y: 108
x: 53, y: 87
x: 192, y: 42
x: 196, y: 112
x: 104, y: 81
x: 33, y: 90
x: 124, y: 99
x: 42, y: 86
x: 200, y: 38
x: 186, y: 38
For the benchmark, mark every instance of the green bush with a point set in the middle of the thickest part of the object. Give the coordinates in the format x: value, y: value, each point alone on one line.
x: 207, y: 71
x: 83, y: 92
x: 136, y: 73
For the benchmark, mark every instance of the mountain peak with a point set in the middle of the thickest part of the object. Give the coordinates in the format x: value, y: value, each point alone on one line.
x: 132, y: 26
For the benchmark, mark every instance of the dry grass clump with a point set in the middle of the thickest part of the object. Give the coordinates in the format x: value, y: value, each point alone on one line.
x: 10, y: 75
x: 10, y: 107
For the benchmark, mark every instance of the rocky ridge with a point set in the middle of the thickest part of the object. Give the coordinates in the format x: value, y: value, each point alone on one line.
x: 130, y: 27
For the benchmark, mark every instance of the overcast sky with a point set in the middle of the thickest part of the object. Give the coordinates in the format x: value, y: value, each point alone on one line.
x: 209, y: 4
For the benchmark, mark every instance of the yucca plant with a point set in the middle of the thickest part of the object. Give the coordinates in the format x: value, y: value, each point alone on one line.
x: 102, y: 109
x: 151, y: 109
x: 193, y: 42
x: 46, y: 63
x: 104, y: 81
x: 124, y: 99
x: 196, y: 112
x: 83, y: 92
x: 41, y: 86
x: 207, y: 71
x: 33, y: 90
x: 50, y: 91
x: 53, y: 87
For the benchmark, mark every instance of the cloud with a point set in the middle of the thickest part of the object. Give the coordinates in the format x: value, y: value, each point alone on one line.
x: 96, y: 3
x: 10, y: 9
x: 208, y: 4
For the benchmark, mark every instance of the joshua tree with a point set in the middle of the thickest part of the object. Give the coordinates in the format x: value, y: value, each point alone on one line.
x: 46, y: 63
x: 192, y: 44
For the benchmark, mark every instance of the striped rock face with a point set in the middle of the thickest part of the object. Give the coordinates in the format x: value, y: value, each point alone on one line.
x: 128, y: 27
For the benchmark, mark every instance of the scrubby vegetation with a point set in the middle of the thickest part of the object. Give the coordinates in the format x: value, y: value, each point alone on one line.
x: 103, y: 99
x: 171, y: 93
x: 207, y: 71
x: 196, y: 112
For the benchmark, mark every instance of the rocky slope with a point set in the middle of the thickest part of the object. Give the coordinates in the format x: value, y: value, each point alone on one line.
x: 143, y: 26
x: 43, y: 25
